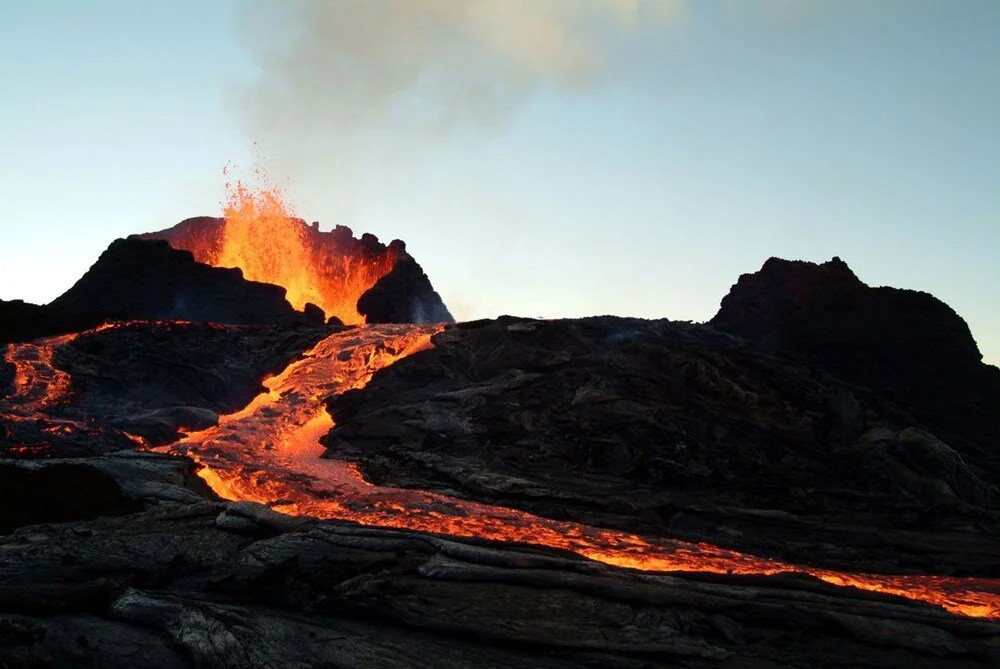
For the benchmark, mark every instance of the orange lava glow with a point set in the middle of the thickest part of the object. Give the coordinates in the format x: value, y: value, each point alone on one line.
x: 40, y: 386
x: 269, y: 453
x: 262, y: 237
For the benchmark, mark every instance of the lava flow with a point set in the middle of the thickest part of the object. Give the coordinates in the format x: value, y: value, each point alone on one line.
x: 269, y: 452
x: 40, y: 389
x: 38, y: 385
x: 37, y: 382
x: 260, y: 236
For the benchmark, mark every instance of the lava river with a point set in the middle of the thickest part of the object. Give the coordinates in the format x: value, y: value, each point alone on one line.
x: 269, y: 452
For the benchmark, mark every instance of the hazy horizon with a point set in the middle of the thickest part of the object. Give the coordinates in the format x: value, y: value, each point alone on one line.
x: 576, y: 157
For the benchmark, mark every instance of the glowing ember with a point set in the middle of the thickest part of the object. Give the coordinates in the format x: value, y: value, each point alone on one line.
x: 269, y: 452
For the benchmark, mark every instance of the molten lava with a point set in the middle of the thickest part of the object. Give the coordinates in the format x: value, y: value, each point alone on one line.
x: 40, y: 389
x: 261, y: 236
x: 37, y: 382
x: 38, y: 386
x: 269, y: 452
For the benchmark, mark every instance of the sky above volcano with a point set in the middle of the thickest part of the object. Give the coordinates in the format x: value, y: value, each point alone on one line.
x: 541, y: 158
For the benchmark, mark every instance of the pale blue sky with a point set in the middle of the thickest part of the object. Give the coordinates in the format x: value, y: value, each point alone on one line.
x: 867, y: 130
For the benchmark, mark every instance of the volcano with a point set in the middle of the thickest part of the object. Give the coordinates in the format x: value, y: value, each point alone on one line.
x: 353, y: 280
x: 244, y: 441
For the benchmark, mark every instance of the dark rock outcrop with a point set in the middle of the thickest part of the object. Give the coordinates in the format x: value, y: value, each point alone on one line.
x: 22, y: 321
x: 404, y: 295
x: 143, y: 278
x: 783, y: 442
x: 149, y: 280
x: 906, y: 345
x: 58, y: 493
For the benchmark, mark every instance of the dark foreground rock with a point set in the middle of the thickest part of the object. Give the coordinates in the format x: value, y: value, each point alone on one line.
x: 125, y: 559
x: 673, y: 429
x: 73, y: 489
x: 404, y: 295
x: 199, y: 583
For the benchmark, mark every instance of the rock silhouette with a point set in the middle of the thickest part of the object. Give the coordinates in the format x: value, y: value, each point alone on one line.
x: 23, y: 321
x: 144, y: 278
x: 908, y: 346
x: 148, y: 280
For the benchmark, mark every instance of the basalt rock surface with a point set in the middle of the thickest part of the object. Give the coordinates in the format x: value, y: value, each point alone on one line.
x: 206, y: 584
x: 148, y: 380
x: 115, y: 557
x: 673, y: 429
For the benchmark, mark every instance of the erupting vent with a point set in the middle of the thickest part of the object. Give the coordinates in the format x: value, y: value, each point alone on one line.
x: 260, y: 236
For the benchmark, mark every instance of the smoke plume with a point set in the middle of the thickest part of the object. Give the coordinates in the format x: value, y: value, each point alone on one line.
x: 334, y: 68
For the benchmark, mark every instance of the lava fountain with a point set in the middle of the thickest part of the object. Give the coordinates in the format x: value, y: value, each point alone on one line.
x: 269, y: 452
x: 260, y: 235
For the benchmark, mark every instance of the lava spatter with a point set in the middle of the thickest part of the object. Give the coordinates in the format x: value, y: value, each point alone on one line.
x: 269, y: 452
x: 261, y: 236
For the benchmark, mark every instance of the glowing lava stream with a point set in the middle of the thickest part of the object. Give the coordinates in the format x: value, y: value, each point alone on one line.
x: 269, y: 452
x: 37, y: 382
x: 38, y: 385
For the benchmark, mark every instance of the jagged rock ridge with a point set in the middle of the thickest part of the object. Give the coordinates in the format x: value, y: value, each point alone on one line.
x: 149, y: 280
x: 23, y: 321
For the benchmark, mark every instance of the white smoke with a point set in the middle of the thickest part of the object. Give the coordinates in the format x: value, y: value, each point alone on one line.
x: 338, y: 67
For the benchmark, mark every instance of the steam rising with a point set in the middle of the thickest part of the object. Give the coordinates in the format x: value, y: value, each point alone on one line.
x: 337, y: 67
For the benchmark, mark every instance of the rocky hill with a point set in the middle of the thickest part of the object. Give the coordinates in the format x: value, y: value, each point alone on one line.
x: 908, y: 346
